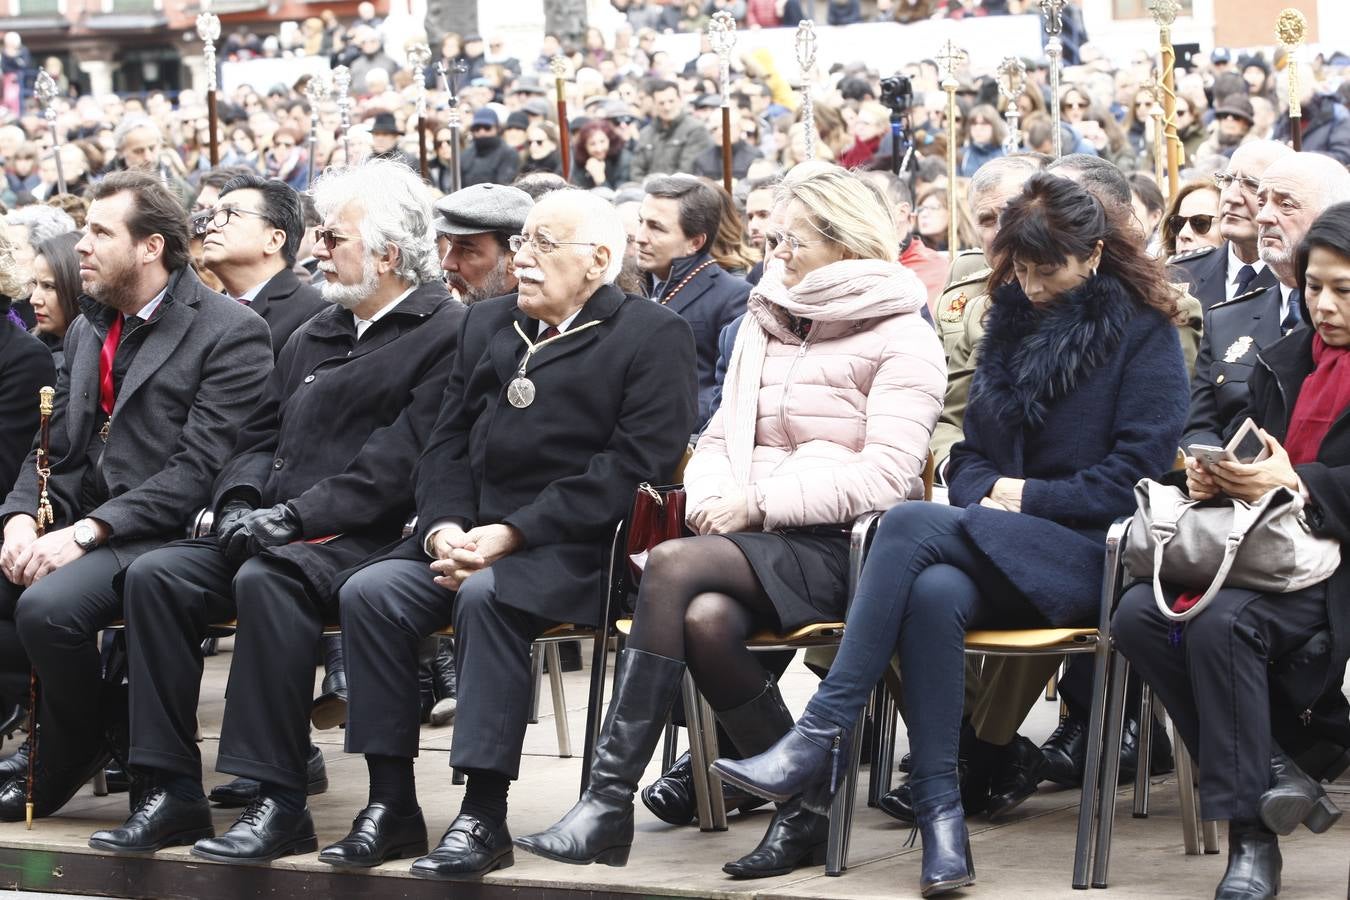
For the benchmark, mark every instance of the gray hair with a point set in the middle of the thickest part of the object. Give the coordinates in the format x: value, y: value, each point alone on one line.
x: 1101, y: 177
x: 988, y: 176
x: 43, y: 222
x: 397, y: 211
x: 130, y: 124
x: 600, y: 225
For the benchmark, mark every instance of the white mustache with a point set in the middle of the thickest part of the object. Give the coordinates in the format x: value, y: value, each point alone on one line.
x: 533, y: 275
x: 327, y: 267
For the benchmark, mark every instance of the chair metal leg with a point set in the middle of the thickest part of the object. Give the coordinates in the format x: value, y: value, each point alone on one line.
x: 1087, y: 806
x: 1144, y: 756
x: 100, y: 784
x: 698, y: 760
x: 1190, y: 819
x: 1115, y: 724
x: 670, y: 746
x: 841, y: 809
x: 883, y: 744
x: 716, y: 802
x: 595, y: 704
x: 555, y: 682
x: 536, y: 676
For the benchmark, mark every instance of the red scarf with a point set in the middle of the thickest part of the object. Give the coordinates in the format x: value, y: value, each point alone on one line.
x: 1324, y: 396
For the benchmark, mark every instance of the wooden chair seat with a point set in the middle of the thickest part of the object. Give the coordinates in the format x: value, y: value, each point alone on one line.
x: 1032, y: 640
x: 817, y: 634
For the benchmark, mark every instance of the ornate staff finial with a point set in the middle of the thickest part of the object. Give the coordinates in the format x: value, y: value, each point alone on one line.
x: 1052, y: 13
x: 47, y: 90
x: 419, y: 55
x: 1012, y: 83
x: 208, y: 29
x: 950, y: 58
x: 1290, y: 30
x: 722, y: 39
x: 558, y: 66
x: 342, y: 85
x: 805, y: 43
x: 1164, y: 12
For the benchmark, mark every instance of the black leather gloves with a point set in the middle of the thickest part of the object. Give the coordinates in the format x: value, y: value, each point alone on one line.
x: 258, y: 529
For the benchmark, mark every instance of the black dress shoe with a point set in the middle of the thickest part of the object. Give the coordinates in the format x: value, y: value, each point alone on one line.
x: 263, y: 832
x: 1065, y: 752
x: 1017, y: 772
x: 468, y: 850
x: 55, y: 783
x: 444, y: 683
x: 906, y: 763
x: 330, y: 709
x: 15, y: 765
x: 377, y: 836
x: 1254, y: 863
x: 1295, y: 798
x: 671, y: 797
x: 796, y: 837
x: 1160, y: 761
x: 161, y: 820
x: 241, y: 792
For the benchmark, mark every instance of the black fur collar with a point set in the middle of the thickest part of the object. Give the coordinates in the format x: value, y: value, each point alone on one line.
x: 1030, y: 357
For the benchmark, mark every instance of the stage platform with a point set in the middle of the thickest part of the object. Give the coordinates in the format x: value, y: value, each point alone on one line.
x: 1028, y: 856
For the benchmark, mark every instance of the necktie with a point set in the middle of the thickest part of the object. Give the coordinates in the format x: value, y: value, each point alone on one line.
x: 105, y: 365
x: 1294, y: 317
x: 1246, y: 275
x: 549, y: 332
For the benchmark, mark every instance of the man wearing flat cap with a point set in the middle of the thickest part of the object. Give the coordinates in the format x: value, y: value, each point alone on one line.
x: 384, y: 137
x: 488, y: 159
x: 474, y: 226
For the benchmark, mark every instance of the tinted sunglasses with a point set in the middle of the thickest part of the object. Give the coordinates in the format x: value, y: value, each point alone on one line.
x: 1074, y: 104
x: 1199, y: 224
x: 330, y: 238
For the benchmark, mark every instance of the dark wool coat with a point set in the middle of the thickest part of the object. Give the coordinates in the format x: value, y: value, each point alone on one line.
x: 196, y: 376
x: 341, y: 425
x: 1080, y: 400
x: 26, y: 366
x: 1206, y: 272
x: 285, y: 304
x: 614, y: 407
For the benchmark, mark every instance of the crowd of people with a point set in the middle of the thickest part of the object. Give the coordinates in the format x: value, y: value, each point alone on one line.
x: 369, y: 377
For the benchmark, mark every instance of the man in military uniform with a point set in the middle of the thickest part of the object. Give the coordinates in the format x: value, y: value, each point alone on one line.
x: 1293, y: 191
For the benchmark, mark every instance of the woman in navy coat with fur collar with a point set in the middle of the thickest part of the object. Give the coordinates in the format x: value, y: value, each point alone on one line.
x: 1079, y: 392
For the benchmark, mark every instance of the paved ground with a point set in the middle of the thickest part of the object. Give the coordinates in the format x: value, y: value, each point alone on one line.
x: 1029, y: 856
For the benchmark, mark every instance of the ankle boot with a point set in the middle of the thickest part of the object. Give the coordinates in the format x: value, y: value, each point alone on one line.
x: 947, y: 862
x: 599, y: 828
x: 809, y: 760
x: 1253, y: 863
x: 444, y: 682
x: 330, y: 709
x: 796, y: 837
x: 1295, y: 797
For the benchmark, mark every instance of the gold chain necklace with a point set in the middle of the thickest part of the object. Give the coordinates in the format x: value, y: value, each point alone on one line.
x: 520, y: 391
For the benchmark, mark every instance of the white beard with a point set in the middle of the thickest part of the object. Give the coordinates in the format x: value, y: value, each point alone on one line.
x: 350, y: 296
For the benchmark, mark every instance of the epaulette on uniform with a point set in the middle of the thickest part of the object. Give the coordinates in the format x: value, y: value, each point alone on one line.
x: 1190, y: 255
x: 1254, y: 292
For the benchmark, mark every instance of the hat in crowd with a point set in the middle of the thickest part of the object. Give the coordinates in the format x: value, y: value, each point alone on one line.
x: 385, y: 123
x: 708, y: 101
x: 483, y: 207
x: 1221, y: 56
x: 537, y: 107
x: 517, y: 120
x: 1236, y: 105
x: 528, y: 84
x: 485, y: 116
x: 617, y: 109
x: 1246, y: 61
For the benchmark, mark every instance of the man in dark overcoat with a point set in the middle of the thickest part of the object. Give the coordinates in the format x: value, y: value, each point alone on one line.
x: 160, y: 374
x: 563, y: 398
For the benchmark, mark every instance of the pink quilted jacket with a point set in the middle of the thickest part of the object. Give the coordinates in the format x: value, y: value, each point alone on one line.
x: 844, y: 417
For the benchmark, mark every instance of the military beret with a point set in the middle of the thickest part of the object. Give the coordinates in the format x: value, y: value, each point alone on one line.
x: 483, y: 207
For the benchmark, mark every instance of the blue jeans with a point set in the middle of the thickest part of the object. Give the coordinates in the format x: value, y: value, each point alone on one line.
x: 923, y: 586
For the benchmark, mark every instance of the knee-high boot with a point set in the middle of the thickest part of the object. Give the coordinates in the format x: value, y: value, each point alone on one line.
x: 599, y: 828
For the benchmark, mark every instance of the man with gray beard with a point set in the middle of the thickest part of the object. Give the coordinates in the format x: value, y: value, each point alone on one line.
x: 473, y: 226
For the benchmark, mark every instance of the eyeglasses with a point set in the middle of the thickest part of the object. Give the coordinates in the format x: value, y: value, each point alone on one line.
x: 221, y: 216
x: 330, y: 238
x: 541, y: 244
x: 1074, y: 104
x: 1199, y: 224
x: 1248, y: 184
x: 773, y: 238
x: 625, y: 120
x: 443, y: 142
x: 1229, y: 115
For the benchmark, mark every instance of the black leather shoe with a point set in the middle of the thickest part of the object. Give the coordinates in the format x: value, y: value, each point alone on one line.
x: 15, y: 765
x: 56, y: 783
x: 378, y: 835
x: 263, y: 832
x: 1254, y: 863
x: 906, y: 763
x: 330, y: 709
x: 671, y: 797
x: 243, y: 791
x: 1160, y: 761
x: 1293, y: 798
x: 161, y: 820
x: 1065, y: 753
x: 1016, y: 774
x: 809, y: 760
x: 796, y: 837
x: 468, y: 850
x: 947, y: 864
x: 444, y: 683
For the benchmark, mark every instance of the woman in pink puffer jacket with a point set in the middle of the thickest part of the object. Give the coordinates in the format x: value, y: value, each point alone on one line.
x: 832, y: 392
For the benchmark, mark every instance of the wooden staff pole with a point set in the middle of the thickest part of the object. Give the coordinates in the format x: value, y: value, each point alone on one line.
x: 208, y: 29
x: 45, y: 517
x: 559, y: 67
x: 1164, y: 14
x: 950, y: 58
x: 722, y: 37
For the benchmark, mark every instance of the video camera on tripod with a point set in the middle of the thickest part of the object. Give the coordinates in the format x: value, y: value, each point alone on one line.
x: 897, y: 95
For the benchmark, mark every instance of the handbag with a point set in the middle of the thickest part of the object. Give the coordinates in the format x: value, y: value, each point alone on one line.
x: 1206, y: 545
x: 657, y: 515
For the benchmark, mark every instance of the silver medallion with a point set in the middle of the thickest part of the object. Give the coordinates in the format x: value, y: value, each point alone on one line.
x: 520, y: 392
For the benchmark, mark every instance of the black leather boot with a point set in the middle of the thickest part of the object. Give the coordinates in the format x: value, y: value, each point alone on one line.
x: 330, y: 709
x: 796, y: 837
x: 809, y: 760
x: 1253, y: 863
x: 671, y: 797
x: 947, y: 863
x: 599, y: 828
x: 444, y: 682
x: 1293, y: 798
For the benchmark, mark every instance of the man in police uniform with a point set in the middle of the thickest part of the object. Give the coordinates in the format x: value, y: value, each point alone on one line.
x: 1217, y: 274
x: 1293, y: 192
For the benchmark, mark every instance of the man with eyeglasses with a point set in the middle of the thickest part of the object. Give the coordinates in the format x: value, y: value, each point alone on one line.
x: 1292, y: 191
x: 474, y: 226
x: 562, y: 399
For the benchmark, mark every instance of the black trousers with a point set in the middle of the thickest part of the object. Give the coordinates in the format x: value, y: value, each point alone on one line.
x: 1214, y: 680
x: 387, y: 609
x: 57, y: 621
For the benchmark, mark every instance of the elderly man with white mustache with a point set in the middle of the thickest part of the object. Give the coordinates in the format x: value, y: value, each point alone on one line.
x: 562, y: 399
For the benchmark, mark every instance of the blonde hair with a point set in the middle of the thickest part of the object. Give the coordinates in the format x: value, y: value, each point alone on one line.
x: 844, y: 207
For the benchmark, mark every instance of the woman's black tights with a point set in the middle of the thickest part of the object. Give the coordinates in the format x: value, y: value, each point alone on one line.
x: 699, y: 601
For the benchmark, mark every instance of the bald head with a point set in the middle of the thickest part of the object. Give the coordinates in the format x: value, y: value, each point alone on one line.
x: 1294, y: 191
x: 1237, y: 200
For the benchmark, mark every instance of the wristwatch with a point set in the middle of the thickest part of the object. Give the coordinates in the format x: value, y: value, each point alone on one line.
x: 86, y: 538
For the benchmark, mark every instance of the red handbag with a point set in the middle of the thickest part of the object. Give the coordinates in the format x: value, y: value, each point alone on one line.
x: 657, y: 515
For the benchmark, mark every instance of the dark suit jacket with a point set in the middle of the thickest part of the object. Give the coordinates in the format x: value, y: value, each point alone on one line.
x: 194, y: 380
x: 1234, y: 333
x: 1206, y: 271
x: 709, y: 303
x: 341, y: 425
x: 285, y: 304
x: 25, y: 366
x: 614, y: 407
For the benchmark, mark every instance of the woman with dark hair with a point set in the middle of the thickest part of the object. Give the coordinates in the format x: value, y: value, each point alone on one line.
x: 1191, y: 220
x: 985, y: 131
x: 56, y: 291
x: 599, y: 158
x: 1225, y: 675
x: 729, y: 249
x: 1079, y: 391
x: 541, y: 149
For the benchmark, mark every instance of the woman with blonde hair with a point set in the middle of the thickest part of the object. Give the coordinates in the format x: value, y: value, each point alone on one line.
x: 729, y: 249
x: 833, y: 388
x: 932, y: 215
